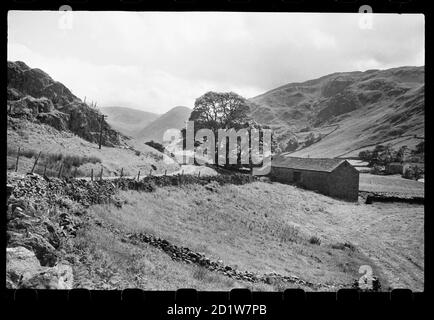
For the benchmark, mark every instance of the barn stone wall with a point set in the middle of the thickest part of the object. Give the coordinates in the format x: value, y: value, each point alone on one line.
x: 344, y: 182
x: 312, y: 180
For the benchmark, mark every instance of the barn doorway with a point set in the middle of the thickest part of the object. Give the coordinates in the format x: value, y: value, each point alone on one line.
x: 297, y: 176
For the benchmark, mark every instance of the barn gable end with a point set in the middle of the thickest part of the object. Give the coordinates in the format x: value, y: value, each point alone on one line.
x: 344, y: 182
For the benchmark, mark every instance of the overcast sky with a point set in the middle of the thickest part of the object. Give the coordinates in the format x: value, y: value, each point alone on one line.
x: 155, y: 61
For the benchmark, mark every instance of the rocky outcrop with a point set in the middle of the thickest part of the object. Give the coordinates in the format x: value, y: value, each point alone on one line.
x: 335, y: 86
x: 339, y: 104
x: 29, y: 107
x: 56, y: 119
x: 23, y: 270
x: 34, y: 95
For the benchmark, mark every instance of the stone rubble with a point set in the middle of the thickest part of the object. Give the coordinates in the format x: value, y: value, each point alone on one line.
x: 188, y: 256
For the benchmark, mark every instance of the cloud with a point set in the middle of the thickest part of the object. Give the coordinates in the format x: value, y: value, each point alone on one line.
x: 155, y: 61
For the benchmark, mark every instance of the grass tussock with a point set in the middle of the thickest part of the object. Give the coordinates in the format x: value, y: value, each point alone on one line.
x: 50, y: 163
x: 315, y: 240
x: 343, y: 246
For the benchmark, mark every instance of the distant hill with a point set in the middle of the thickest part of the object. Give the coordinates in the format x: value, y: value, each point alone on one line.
x: 342, y: 113
x: 127, y: 120
x: 174, y: 118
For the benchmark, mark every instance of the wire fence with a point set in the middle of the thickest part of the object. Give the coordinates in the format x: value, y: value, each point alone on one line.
x: 48, y: 167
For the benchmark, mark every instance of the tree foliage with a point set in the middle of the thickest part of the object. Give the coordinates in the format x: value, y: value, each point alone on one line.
x: 215, y: 110
x: 292, y: 145
x: 227, y: 110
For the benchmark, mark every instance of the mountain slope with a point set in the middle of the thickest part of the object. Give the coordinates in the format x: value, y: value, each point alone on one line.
x: 33, y: 95
x: 128, y: 121
x: 175, y: 118
x: 342, y: 113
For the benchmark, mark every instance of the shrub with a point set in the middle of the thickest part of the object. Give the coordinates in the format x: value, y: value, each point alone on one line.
x: 29, y: 153
x: 289, y: 233
x: 420, y: 147
x: 315, y: 240
x: 292, y: 145
x: 310, y: 140
x: 155, y: 145
x: 365, y: 155
x: 413, y: 172
x: 376, y: 169
x: 343, y: 246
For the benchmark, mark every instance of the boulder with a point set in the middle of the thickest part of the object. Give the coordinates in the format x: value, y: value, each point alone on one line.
x: 20, y: 263
x: 14, y: 94
x: 56, y: 119
x: 23, y: 270
x: 44, y: 251
x: 29, y: 107
x: 57, y: 277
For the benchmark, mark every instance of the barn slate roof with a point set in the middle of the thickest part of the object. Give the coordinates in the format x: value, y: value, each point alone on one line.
x: 312, y: 164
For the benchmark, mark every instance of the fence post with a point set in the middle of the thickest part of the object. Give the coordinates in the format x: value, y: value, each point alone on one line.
x: 45, y: 169
x: 165, y: 172
x: 138, y: 176
x: 60, y: 170
x: 198, y: 175
x: 122, y: 172
x: 36, y: 161
x: 18, y: 158
x: 100, y: 175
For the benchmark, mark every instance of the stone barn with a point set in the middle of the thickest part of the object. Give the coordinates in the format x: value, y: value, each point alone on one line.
x: 333, y: 177
x: 394, y: 168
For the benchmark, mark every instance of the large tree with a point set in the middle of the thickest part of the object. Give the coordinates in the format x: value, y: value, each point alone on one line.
x: 220, y: 110
x: 227, y: 110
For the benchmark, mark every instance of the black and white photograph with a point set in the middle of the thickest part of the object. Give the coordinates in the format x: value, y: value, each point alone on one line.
x: 215, y: 150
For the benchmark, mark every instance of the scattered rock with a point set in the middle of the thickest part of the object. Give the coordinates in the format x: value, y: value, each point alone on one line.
x: 44, y: 251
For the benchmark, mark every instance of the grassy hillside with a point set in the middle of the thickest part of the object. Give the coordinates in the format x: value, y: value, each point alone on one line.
x: 263, y: 227
x: 128, y: 121
x: 33, y: 137
x: 347, y: 111
x: 173, y: 119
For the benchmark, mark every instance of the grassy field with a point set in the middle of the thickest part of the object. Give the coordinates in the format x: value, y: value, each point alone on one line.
x: 264, y: 227
x: 393, y: 183
x: 113, y: 264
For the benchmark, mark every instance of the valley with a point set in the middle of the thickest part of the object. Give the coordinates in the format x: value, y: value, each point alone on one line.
x: 119, y: 230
